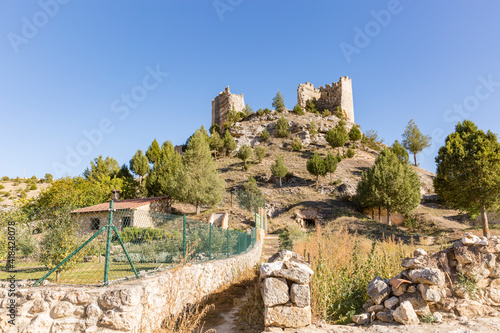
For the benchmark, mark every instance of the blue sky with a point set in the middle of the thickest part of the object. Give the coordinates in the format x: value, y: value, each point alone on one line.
x: 67, y: 67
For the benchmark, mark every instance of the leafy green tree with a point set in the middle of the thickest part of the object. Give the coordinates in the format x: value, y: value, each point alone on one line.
x: 414, y: 141
x: 265, y: 135
x: 216, y: 143
x: 390, y: 184
x: 139, y: 164
x: 278, y: 102
x: 298, y: 110
x: 282, y: 128
x: 278, y: 169
x: 129, y: 189
x: 316, y: 167
x: 330, y: 164
x: 99, y: 167
x: 244, y: 154
x: 198, y: 181
x: 468, y: 171
x: 48, y: 178
x: 229, y: 143
x: 400, y: 152
x: 260, y: 153
x: 337, y: 137
x: 355, y: 133
x: 161, y: 179
x: 154, y: 151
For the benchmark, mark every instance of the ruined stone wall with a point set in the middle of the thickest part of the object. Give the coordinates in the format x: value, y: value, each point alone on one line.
x: 329, y: 97
x: 136, y: 306
x: 223, y: 103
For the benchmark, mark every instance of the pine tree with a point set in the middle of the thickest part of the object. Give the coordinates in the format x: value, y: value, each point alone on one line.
x: 154, y: 151
x: 414, y: 141
x: 139, y: 164
x: 278, y: 102
x: 198, y: 182
x: 282, y: 128
x: 354, y: 133
x: 316, y: 167
x: 400, y: 152
x: 229, y: 143
x: 244, y: 154
x: 265, y: 135
x: 330, y: 164
x: 260, y: 153
x: 298, y: 110
x: 468, y: 171
x: 390, y: 184
x: 337, y: 137
x: 216, y: 142
x: 278, y: 169
x: 161, y: 179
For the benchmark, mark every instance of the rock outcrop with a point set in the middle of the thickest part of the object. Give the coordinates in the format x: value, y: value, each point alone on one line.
x: 285, y: 290
x: 461, y: 281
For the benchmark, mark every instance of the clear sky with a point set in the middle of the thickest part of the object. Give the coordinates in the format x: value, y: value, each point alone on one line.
x: 84, y: 78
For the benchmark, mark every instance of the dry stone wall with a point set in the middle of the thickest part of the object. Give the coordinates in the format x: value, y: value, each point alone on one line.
x: 462, y: 282
x: 139, y: 305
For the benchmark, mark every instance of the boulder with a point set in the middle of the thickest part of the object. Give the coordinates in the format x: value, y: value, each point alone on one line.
x: 268, y: 269
x: 274, y: 291
x: 378, y: 290
x: 432, y: 276
x: 420, y: 306
x: 375, y: 308
x: 405, y: 314
x: 300, y: 295
x: 385, y: 316
x: 391, y: 302
x: 41, y: 323
x: 295, y: 274
x: 287, y: 316
x: 282, y: 255
x: 361, y: 319
x: 430, y: 294
x: 470, y: 308
x: 419, y: 252
x: 412, y: 263
x: 470, y: 239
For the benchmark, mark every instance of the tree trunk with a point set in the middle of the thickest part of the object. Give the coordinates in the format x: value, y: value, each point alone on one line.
x: 379, y: 213
x: 415, y: 158
x: 389, y: 222
x: 198, y: 209
x: 330, y: 178
x: 317, y: 182
x: 281, y: 185
x: 140, y: 180
x: 484, y: 219
x: 373, y: 213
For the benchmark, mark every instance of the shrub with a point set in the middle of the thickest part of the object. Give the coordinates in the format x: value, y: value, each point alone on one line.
x: 266, y: 111
x: 1, y: 187
x: 229, y: 142
x: 265, y: 135
x: 339, y: 113
x: 244, y: 154
x: 27, y: 244
x: 139, y: 235
x: 337, y: 136
x: 354, y: 133
x: 296, y: 144
x: 371, y: 140
x: 313, y: 129
x: 214, y: 128
x: 298, y: 110
x: 311, y: 106
x: 282, y: 128
x: 33, y: 187
x: 350, y: 153
x: 326, y: 113
x: 5, y: 178
x: 260, y: 153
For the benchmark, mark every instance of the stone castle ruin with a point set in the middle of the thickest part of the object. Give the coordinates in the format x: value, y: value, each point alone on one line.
x: 329, y: 97
x: 223, y: 103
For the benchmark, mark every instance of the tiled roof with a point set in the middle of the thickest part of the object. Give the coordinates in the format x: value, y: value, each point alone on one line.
x: 120, y: 205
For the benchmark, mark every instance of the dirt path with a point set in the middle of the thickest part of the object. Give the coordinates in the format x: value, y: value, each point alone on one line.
x: 223, y: 319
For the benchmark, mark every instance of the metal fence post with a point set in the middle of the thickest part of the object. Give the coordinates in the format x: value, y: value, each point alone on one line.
x: 227, y: 241
x: 210, y: 245
x: 108, y: 244
x: 184, y: 237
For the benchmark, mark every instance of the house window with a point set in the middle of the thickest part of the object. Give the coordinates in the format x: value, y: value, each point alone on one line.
x: 95, y: 223
x: 125, y: 222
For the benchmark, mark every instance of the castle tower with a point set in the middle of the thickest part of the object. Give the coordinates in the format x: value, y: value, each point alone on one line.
x: 223, y: 103
x: 329, y: 96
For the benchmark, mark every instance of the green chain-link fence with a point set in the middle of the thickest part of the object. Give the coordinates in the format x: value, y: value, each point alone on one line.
x: 109, y: 242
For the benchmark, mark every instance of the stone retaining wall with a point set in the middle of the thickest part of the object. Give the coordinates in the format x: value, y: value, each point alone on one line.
x: 136, y: 306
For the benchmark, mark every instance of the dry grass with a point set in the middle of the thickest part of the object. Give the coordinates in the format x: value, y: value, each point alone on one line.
x: 344, y: 264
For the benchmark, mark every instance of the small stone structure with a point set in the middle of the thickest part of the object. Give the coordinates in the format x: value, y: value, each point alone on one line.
x: 463, y: 281
x: 223, y: 103
x: 220, y: 220
x: 329, y: 97
x: 308, y: 217
x: 136, y: 306
x: 285, y: 290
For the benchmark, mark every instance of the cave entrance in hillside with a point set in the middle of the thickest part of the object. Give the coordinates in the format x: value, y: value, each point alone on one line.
x: 310, y: 223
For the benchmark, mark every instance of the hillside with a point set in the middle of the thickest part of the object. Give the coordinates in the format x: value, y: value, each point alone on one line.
x: 333, y: 201
x: 12, y: 190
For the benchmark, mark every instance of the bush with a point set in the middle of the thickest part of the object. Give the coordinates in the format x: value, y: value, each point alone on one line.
x: 139, y: 235
x: 33, y: 187
x: 1, y: 187
x: 313, y: 129
x: 350, y: 153
x: 371, y: 140
x: 265, y: 135
x: 339, y: 113
x: 311, y: 106
x: 260, y: 153
x: 5, y: 178
x: 296, y: 144
x: 354, y: 133
x: 298, y: 110
x: 27, y: 244
x: 337, y: 136
x: 326, y: 113
x: 244, y: 154
x: 282, y: 128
